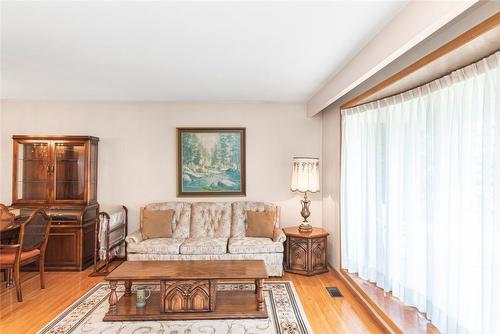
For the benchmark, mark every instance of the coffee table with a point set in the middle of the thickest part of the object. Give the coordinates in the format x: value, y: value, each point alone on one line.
x: 188, y: 290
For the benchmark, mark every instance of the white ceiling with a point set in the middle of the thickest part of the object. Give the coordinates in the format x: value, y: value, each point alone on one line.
x: 181, y: 51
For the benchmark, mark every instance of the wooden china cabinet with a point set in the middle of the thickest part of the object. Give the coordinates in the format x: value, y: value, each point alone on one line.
x: 59, y: 173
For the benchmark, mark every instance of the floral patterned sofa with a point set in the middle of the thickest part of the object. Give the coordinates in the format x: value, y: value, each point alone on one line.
x: 210, y: 231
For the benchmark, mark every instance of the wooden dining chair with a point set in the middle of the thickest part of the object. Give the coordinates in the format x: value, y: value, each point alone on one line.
x: 32, y: 241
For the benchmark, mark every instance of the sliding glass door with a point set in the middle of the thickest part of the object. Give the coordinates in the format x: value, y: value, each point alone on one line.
x: 421, y: 197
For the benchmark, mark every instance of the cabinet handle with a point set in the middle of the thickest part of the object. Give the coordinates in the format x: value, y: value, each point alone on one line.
x: 53, y: 169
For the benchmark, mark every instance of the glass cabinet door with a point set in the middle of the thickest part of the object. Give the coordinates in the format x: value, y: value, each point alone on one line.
x: 69, y: 171
x: 32, y: 171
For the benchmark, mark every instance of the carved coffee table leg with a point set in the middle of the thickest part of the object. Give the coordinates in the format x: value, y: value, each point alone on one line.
x: 113, y: 298
x: 128, y: 288
x: 259, y: 286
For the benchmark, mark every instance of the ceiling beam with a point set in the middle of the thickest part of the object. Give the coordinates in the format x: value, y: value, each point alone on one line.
x: 482, y: 28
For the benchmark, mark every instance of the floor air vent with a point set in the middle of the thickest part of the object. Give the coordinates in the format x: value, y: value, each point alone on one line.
x: 334, y: 292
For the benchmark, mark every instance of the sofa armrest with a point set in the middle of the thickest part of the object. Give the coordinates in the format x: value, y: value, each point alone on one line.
x: 279, y: 235
x: 134, y: 237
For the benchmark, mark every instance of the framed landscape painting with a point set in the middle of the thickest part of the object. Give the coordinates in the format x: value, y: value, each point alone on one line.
x: 211, y: 162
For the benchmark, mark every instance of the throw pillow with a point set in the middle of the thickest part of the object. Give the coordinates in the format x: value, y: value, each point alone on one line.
x: 157, y: 223
x: 260, y: 224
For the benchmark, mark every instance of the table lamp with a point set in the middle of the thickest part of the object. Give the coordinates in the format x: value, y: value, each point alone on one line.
x: 305, y: 178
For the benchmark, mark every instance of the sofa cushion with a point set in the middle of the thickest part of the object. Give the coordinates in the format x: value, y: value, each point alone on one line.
x: 204, y: 246
x: 181, y: 219
x: 211, y: 220
x: 157, y: 223
x: 156, y: 246
x: 238, y: 224
x: 260, y: 224
x: 254, y: 246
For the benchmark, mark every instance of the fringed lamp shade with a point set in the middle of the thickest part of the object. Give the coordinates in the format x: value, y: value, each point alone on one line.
x: 305, y: 175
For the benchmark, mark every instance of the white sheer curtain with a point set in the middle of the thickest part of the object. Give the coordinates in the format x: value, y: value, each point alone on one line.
x: 420, y: 197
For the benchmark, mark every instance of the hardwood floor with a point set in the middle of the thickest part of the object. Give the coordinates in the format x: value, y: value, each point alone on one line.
x: 408, y: 319
x: 325, y: 314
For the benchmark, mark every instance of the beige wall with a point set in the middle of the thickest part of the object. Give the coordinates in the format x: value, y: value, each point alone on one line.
x: 137, y: 151
x: 331, y: 182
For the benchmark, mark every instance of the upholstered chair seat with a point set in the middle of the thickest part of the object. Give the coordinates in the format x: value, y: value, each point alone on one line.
x: 9, y: 256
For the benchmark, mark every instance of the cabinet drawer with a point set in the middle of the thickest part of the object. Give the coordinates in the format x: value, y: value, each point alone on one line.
x: 55, y: 222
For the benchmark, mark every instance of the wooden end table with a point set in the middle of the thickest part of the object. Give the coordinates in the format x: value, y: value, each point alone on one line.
x: 188, y: 290
x: 305, y: 252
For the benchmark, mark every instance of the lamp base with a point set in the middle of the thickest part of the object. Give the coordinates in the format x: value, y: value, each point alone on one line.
x: 305, y: 227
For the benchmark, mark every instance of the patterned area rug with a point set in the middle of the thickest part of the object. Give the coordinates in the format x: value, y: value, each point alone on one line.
x: 286, y: 315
